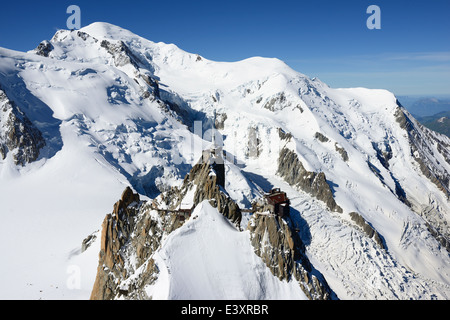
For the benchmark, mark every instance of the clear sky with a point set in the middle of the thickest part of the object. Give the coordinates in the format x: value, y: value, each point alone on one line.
x: 409, y: 55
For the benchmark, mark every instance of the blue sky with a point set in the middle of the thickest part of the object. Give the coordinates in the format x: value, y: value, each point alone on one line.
x: 409, y: 55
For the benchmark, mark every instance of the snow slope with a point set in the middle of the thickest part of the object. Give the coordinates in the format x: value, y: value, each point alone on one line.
x: 207, y: 258
x: 117, y: 109
x: 48, y: 209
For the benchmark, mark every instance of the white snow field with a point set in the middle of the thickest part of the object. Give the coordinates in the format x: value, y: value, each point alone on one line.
x: 103, y: 133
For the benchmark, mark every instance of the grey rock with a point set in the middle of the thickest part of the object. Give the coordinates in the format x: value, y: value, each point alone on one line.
x: 17, y: 133
x: 293, y: 171
x: 341, y: 151
x: 367, y: 228
x: 44, y: 48
x: 419, y: 138
x: 284, y: 135
x: 121, y: 53
x: 322, y: 138
x: 283, y: 252
x: 219, y: 122
x: 87, y: 242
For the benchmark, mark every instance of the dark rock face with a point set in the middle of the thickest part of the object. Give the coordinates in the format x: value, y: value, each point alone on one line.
x: 277, y: 102
x: 120, y: 52
x: 384, y: 153
x: 420, y: 139
x: 86, y: 243
x: 85, y: 36
x: 293, y: 171
x: 17, y: 133
x: 152, y: 86
x: 44, y: 48
x: 283, y: 252
x: 368, y: 229
x: 341, y: 151
x: 220, y: 119
x: 208, y: 177
x: 321, y: 137
x: 443, y: 240
x: 284, y: 135
x: 134, y: 229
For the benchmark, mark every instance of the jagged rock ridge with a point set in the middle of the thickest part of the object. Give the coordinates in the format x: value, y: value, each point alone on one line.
x: 17, y: 133
x: 293, y: 171
x: 283, y: 252
x: 422, y: 153
x: 136, y: 229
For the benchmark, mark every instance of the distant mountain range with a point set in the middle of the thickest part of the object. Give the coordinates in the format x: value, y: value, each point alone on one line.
x: 440, y: 122
x: 432, y: 112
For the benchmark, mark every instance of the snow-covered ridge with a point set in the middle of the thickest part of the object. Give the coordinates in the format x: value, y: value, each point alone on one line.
x: 116, y: 109
x: 238, y: 273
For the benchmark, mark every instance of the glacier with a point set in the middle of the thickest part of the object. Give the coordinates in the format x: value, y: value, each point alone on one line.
x: 118, y: 110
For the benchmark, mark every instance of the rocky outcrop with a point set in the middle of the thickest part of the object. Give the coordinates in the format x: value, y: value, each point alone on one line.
x: 205, y: 181
x: 437, y: 234
x: 116, y: 230
x: 44, y: 48
x: 278, y: 102
x: 420, y: 138
x: 130, y: 236
x: 321, y: 137
x: 284, y: 135
x: 219, y: 121
x: 384, y: 153
x: 282, y: 250
x: 18, y: 134
x: 420, y: 141
x: 341, y: 151
x: 367, y: 229
x: 85, y: 36
x: 120, y: 52
x: 153, y: 87
x: 136, y: 228
x: 219, y: 199
x: 90, y: 239
x: 293, y: 171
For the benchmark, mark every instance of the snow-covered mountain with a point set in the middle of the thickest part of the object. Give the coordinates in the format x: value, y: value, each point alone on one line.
x: 94, y: 111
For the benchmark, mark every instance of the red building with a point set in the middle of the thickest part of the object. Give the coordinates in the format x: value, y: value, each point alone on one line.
x: 280, y: 202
